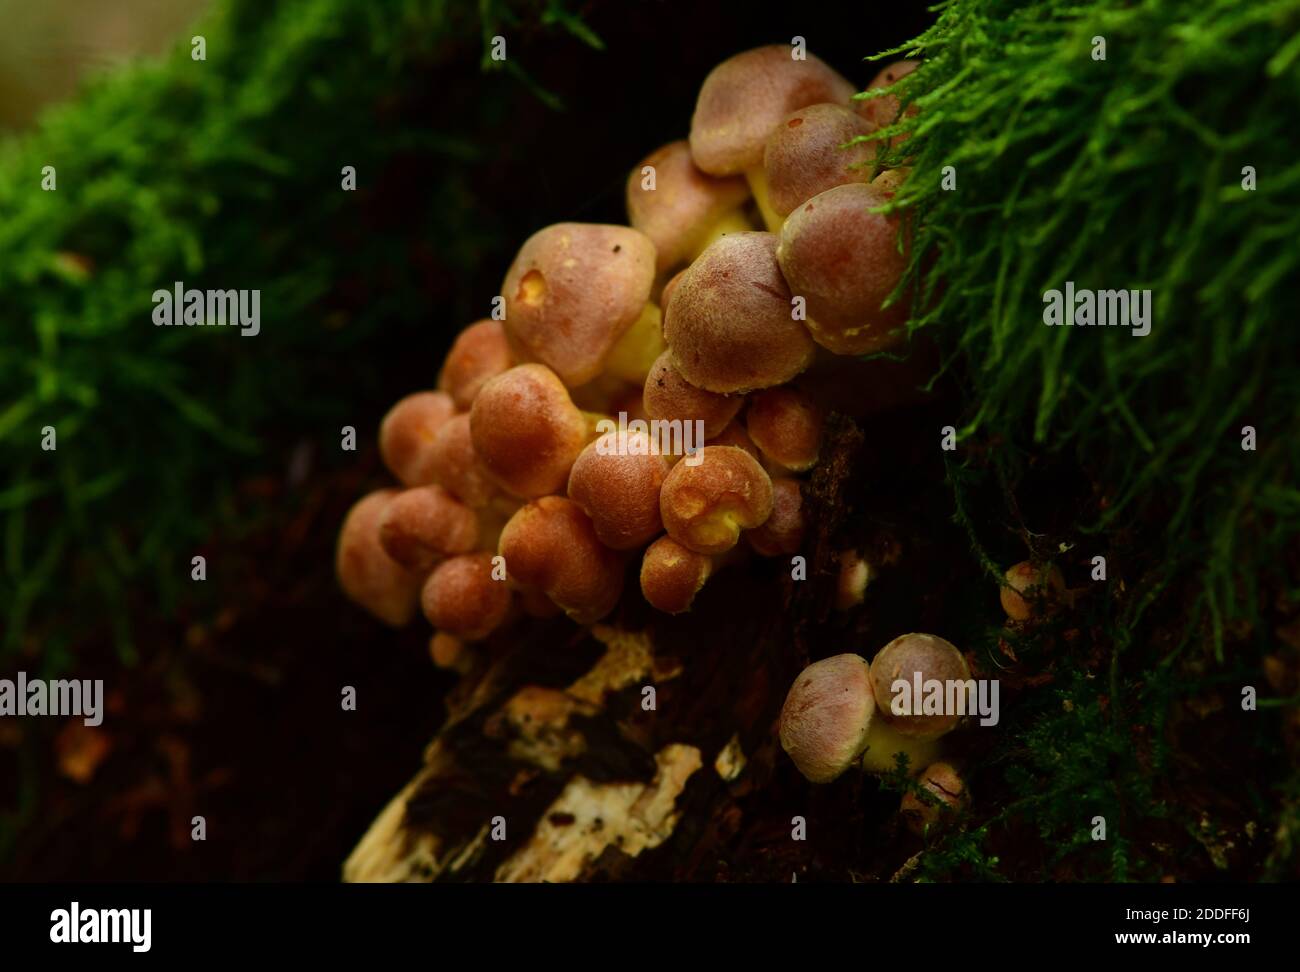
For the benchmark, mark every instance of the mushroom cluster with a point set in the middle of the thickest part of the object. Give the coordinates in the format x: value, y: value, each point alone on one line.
x: 638, y: 397
x: 842, y: 712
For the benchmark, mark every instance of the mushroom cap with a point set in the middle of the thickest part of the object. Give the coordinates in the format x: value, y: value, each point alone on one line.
x: 851, y: 586
x: 844, y: 261
x: 616, y: 482
x: 883, y: 111
x: 407, y: 432
x: 729, y: 321
x: 735, y: 435
x: 551, y: 545
x: 425, y: 524
x: 367, y: 574
x: 572, y: 291
x: 782, y: 534
x: 746, y: 96
x: 666, y: 294
x: 806, y: 154
x: 448, y: 651
x: 942, y: 781
x: 668, y: 396
x: 462, y: 598
x: 671, y: 575
x: 826, y: 715
x: 786, y: 425
x: 1031, y: 589
x: 527, y: 431
x: 479, y: 352
x: 455, y: 465
x: 903, y: 658
x: 706, y: 506
x: 685, y: 203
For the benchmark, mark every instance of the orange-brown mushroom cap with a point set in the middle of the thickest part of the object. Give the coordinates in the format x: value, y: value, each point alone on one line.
x: 787, y: 426
x: 883, y: 111
x: 747, y: 95
x: 616, y: 481
x: 685, y: 203
x: 551, y: 545
x: 809, y: 152
x: 527, y: 431
x: 455, y: 465
x: 844, y: 260
x: 782, y: 534
x: 572, y: 292
x: 706, y: 504
x: 730, y: 324
x: 670, y: 397
x: 463, y: 598
x: 735, y: 435
x: 1031, y: 589
x: 425, y: 524
x: 479, y: 352
x: 407, y: 432
x: 947, y: 792
x: 367, y: 574
x: 826, y: 716
x: 671, y: 575
x: 934, y: 659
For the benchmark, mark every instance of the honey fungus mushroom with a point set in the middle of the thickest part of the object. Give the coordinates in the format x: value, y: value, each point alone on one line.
x: 367, y: 574
x: 844, y: 260
x: 1031, y: 590
x: 706, y: 504
x: 455, y: 465
x: 671, y: 575
x: 616, y: 481
x: 424, y: 525
x: 670, y: 397
x: 786, y: 425
x: 573, y: 290
x: 813, y: 150
x: 683, y: 209
x: 744, y: 98
x: 730, y: 324
x: 945, y: 793
x: 407, y: 431
x: 885, y: 110
x: 480, y: 352
x: 826, y: 716
x: 526, y: 430
x: 551, y: 545
x: 911, y: 658
x: 782, y: 533
x: 462, y: 598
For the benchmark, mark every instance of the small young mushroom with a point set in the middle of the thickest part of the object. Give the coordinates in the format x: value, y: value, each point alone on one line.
x: 686, y: 209
x: 527, y: 431
x: 479, y: 352
x: 448, y: 651
x: 706, y: 504
x: 671, y: 575
x: 616, y: 482
x: 572, y: 292
x: 407, y: 432
x: 730, y: 323
x: 844, y: 260
x: 455, y: 465
x: 744, y: 98
x: 551, y: 545
x: 668, y: 396
x: 462, y: 598
x: 810, y: 152
x: 426, y: 524
x: 904, y: 659
x: 367, y: 574
x: 855, y: 574
x: 884, y: 111
x: 782, y: 534
x: 891, y: 180
x: 786, y: 425
x: 946, y: 792
x: 826, y: 717
x: 1032, y: 590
